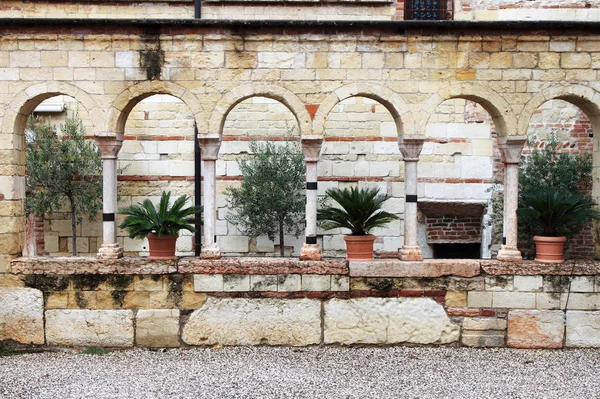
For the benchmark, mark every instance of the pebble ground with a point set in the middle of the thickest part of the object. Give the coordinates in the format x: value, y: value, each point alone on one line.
x: 316, y: 372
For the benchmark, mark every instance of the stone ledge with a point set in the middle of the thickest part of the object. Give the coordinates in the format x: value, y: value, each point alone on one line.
x: 87, y: 265
x: 426, y: 268
x: 531, y: 268
x: 251, y: 265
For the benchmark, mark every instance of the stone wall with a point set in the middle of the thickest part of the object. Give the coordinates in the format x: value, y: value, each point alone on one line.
x: 256, y: 301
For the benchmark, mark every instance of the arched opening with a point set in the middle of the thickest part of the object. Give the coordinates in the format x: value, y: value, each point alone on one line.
x: 360, y: 148
x: 259, y: 120
x: 459, y: 163
x: 157, y: 156
x: 59, y: 216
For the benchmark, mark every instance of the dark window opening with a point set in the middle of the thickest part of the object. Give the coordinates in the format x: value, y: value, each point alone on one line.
x: 456, y: 251
x: 434, y: 10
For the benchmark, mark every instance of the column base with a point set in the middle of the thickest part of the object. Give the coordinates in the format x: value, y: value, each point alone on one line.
x: 210, y: 252
x: 310, y: 252
x: 407, y: 253
x: 508, y: 254
x: 110, y: 251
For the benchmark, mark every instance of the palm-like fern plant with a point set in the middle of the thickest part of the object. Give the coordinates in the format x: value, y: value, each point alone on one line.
x: 557, y: 212
x: 360, y: 210
x: 163, y: 220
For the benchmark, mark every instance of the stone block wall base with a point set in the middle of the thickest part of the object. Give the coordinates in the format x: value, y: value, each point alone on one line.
x: 110, y: 251
x: 310, y: 252
x: 507, y: 254
x: 210, y: 252
x: 535, y: 329
x: 410, y: 254
x: 425, y: 268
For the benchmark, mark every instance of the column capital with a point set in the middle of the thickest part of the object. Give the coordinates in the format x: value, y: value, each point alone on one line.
x: 511, y: 147
x: 311, y: 148
x: 109, y: 146
x: 209, y: 146
x: 410, y: 147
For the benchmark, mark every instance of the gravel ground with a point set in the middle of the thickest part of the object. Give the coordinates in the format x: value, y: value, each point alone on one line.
x: 317, y: 372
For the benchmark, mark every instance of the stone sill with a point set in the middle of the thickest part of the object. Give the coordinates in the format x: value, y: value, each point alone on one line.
x: 283, y: 266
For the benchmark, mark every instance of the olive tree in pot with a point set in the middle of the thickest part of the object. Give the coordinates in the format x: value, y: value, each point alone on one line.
x: 160, y: 224
x: 360, y: 212
x: 556, y: 214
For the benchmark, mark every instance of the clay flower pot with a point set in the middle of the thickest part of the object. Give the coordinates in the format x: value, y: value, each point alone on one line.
x: 161, y: 247
x: 549, y: 249
x: 359, y: 247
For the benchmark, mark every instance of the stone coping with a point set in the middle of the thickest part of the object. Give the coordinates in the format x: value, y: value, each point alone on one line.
x: 281, y: 266
x: 262, y: 265
x: 426, y: 268
x: 532, y: 268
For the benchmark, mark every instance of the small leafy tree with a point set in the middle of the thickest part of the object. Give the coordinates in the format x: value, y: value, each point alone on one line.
x: 270, y: 200
x: 63, y: 167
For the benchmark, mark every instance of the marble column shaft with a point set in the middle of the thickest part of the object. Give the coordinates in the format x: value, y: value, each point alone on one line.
x: 311, y: 147
x: 410, y: 147
x: 209, y: 147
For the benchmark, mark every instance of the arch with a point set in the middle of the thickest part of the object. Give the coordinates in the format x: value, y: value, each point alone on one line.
x: 24, y: 103
x: 586, y: 98
x: 391, y: 100
x: 498, y: 108
x: 278, y: 93
x: 130, y: 97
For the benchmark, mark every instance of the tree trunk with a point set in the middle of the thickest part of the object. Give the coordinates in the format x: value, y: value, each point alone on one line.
x: 281, y: 243
x: 73, y: 226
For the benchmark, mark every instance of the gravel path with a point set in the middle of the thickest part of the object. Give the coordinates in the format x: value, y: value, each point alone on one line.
x: 304, y: 373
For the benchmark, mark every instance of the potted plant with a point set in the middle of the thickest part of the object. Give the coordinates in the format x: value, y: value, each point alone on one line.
x: 360, y: 212
x: 160, y: 224
x: 556, y: 213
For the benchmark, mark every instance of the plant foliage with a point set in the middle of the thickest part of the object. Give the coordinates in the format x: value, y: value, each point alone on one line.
x: 165, y: 219
x: 558, y: 178
x: 557, y: 210
x: 63, y: 167
x: 360, y: 210
x: 270, y: 200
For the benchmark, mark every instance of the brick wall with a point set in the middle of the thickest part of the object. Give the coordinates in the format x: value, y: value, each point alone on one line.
x: 453, y: 229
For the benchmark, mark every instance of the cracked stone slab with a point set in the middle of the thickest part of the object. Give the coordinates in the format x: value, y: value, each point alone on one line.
x: 388, y: 321
x: 108, y: 328
x: 241, y: 321
x: 22, y: 315
x: 583, y: 329
x: 535, y: 329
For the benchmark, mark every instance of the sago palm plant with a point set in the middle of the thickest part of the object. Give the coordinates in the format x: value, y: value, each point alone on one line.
x: 557, y: 212
x: 360, y: 210
x: 162, y: 220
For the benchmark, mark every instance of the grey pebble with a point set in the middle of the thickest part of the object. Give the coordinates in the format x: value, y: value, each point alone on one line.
x: 315, y: 372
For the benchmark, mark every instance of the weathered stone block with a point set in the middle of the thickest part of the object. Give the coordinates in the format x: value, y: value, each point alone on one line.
x: 110, y: 328
x: 229, y: 321
x: 535, y: 329
x: 583, y: 329
x: 22, y: 315
x: 208, y: 282
x: 482, y: 339
x: 157, y: 328
x: 477, y: 299
x: 528, y: 283
x: 484, y: 323
x: 388, y: 321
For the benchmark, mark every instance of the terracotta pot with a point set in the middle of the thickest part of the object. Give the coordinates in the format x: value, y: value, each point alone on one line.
x: 549, y: 249
x: 161, y: 247
x: 359, y: 247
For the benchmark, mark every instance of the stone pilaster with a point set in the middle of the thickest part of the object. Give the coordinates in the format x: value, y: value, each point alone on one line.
x: 311, y: 147
x: 209, y: 146
x: 109, y: 149
x: 410, y: 147
x: 511, y: 148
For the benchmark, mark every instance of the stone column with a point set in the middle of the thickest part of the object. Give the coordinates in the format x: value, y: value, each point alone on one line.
x: 311, y: 147
x: 209, y: 147
x: 109, y: 149
x: 410, y: 147
x: 511, y: 148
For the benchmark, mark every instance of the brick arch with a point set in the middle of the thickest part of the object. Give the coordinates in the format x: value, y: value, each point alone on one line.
x: 583, y: 97
x: 130, y: 97
x: 241, y: 93
x: 391, y: 100
x: 498, y: 108
x: 25, y: 102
